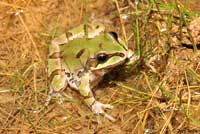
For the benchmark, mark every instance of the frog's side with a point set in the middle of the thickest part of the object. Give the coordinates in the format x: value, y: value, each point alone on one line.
x: 80, y: 62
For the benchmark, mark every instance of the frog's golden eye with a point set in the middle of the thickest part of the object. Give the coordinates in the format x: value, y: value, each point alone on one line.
x: 102, y: 57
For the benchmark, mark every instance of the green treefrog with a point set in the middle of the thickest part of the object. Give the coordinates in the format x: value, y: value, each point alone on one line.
x: 79, y: 61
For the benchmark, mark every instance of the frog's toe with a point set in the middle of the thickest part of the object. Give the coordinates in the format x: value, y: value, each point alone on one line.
x: 109, y: 117
x: 107, y: 106
x: 59, y: 96
x: 98, y: 108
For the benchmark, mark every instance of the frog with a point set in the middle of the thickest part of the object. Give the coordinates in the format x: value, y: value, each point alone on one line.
x: 80, y: 57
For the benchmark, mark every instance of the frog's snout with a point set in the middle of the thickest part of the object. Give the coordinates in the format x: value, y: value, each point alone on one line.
x: 132, y: 57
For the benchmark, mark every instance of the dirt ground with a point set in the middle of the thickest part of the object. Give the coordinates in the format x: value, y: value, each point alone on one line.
x: 160, y: 94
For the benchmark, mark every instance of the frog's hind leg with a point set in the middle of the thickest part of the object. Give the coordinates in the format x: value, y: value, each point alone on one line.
x: 59, y: 95
x: 57, y: 79
x: 49, y: 97
x: 57, y: 84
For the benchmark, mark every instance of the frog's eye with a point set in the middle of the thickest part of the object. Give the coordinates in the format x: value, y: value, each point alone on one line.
x: 102, y: 57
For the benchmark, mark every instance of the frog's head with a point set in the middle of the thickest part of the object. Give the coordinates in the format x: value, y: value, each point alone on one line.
x: 112, y: 51
x: 100, y: 50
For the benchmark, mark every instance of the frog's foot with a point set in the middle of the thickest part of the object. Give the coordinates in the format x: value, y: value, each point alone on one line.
x: 98, y: 108
x: 59, y: 96
x: 50, y: 96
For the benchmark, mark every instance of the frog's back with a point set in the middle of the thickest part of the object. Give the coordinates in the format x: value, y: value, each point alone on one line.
x: 78, y: 51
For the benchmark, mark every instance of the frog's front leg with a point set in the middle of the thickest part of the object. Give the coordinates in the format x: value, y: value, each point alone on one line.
x: 96, y: 106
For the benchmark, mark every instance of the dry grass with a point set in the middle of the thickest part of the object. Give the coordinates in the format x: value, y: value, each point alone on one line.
x: 159, y: 95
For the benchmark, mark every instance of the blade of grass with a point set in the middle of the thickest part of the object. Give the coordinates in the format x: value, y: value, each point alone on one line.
x: 193, y: 74
x: 31, y: 38
x: 188, y: 115
x: 121, y: 21
x: 139, y: 51
x: 131, y: 89
x: 26, y: 115
x: 183, y: 21
x: 86, y: 18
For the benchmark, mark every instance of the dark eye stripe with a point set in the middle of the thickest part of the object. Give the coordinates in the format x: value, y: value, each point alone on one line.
x: 118, y: 54
x: 102, y: 57
x: 112, y: 54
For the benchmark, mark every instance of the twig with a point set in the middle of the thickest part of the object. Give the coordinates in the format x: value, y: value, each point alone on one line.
x: 31, y: 38
x: 121, y: 21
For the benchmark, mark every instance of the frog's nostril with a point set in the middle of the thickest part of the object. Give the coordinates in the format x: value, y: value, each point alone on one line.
x: 121, y: 55
x: 97, y: 27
